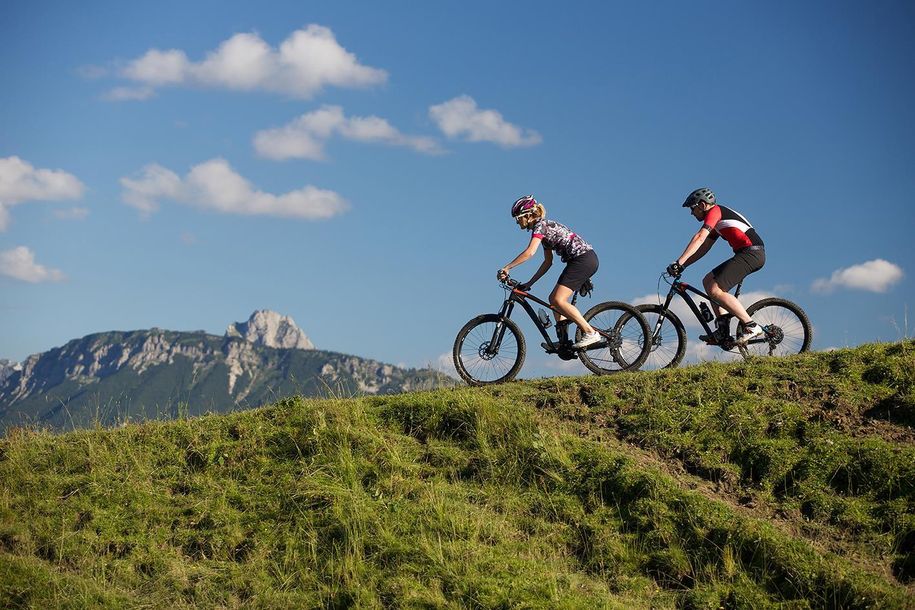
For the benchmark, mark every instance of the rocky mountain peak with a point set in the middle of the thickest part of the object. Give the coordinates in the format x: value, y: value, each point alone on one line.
x: 270, y: 329
x: 7, y: 368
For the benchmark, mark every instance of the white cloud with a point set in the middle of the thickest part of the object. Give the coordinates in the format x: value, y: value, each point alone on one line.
x: 677, y: 305
x: 20, y: 182
x: 445, y: 364
x: 72, y: 214
x: 460, y: 118
x: 214, y: 185
x: 159, y: 68
x: 19, y: 263
x: 699, y: 351
x: 304, y: 137
x: 154, y: 183
x: 307, y: 61
x: 874, y: 276
x: 748, y: 298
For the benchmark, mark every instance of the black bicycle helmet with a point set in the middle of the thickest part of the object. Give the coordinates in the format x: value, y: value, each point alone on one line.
x: 703, y: 195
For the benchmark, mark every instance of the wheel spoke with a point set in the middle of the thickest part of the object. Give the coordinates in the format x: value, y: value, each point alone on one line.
x: 623, y: 343
x: 787, y: 330
x: 665, y: 341
x: 478, y: 362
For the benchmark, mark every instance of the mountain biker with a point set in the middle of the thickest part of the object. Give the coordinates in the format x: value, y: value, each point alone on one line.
x: 578, y: 255
x: 749, y: 256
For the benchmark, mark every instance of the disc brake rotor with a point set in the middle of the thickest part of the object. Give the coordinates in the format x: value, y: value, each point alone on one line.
x: 484, y: 352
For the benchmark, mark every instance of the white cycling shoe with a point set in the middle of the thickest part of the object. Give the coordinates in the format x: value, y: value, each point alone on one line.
x: 749, y: 333
x: 587, y: 339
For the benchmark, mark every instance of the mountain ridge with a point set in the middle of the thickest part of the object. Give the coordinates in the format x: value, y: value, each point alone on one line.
x: 111, y: 377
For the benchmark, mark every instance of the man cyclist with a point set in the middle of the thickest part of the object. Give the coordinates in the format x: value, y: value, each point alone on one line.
x: 749, y: 256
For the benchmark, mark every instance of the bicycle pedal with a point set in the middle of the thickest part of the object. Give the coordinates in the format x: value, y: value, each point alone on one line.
x: 549, y: 350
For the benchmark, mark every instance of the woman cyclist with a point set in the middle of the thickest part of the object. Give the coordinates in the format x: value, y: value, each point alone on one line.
x: 578, y: 255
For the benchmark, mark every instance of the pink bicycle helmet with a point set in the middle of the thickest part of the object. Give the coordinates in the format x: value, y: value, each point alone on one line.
x: 524, y: 205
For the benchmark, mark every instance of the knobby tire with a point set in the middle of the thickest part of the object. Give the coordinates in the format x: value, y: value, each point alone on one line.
x: 474, y: 365
x: 783, y: 320
x: 625, y: 322
x: 669, y: 345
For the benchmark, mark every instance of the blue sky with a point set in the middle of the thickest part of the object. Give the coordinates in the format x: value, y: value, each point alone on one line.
x: 352, y: 164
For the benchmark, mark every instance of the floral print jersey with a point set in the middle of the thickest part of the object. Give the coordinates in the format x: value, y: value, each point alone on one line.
x: 560, y: 238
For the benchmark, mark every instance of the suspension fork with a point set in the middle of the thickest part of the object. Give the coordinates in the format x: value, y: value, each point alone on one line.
x: 499, y: 332
x: 661, y: 316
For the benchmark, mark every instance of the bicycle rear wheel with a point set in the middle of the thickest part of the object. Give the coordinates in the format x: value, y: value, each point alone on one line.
x: 786, y: 325
x: 624, y: 346
x: 488, y: 349
x: 668, y: 340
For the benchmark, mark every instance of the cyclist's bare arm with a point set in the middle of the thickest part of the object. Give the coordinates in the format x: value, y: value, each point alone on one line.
x: 544, y: 266
x: 697, y: 247
x: 523, y: 257
x: 702, y: 251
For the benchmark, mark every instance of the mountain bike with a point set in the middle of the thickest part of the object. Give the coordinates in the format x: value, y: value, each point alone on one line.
x: 491, y: 348
x: 786, y: 326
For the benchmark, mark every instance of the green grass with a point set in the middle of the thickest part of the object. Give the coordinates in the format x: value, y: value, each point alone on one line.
x: 771, y: 484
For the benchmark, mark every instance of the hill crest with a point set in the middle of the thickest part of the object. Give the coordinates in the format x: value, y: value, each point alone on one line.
x: 773, y: 483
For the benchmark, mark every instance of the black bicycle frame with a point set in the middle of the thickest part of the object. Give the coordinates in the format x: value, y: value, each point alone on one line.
x: 521, y: 297
x: 683, y: 289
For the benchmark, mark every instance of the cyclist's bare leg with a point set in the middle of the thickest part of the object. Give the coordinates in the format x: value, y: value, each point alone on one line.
x: 559, y: 299
x: 730, y: 302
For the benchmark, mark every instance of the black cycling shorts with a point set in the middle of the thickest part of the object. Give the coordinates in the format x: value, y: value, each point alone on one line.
x: 578, y: 270
x: 732, y: 271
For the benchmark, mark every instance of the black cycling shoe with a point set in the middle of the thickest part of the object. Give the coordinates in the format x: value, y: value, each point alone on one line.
x: 719, y: 335
x: 557, y: 347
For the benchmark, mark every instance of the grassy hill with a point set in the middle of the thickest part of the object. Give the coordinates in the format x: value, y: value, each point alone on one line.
x: 784, y: 483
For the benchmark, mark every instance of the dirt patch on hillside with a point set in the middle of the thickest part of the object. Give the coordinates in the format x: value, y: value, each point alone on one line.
x: 579, y: 413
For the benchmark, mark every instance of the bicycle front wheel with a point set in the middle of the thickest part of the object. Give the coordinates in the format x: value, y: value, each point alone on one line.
x: 668, y: 338
x: 625, y: 344
x: 786, y: 326
x: 489, y: 349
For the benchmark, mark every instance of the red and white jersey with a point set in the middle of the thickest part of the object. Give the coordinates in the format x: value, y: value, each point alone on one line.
x: 732, y: 226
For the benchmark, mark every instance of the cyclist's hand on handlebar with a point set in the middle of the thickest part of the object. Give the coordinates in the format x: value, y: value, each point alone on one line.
x: 675, y: 269
x: 502, y: 274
